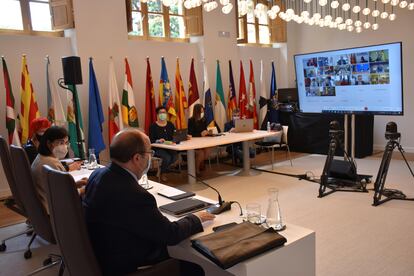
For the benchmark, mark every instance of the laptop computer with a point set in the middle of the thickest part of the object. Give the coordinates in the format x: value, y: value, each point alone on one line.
x: 243, y: 125
x: 180, y: 135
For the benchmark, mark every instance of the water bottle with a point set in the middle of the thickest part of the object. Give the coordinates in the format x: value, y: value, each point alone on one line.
x: 274, y: 217
x: 92, y: 164
x: 268, y: 126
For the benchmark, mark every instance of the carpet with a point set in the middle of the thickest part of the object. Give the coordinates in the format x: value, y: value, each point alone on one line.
x: 352, y: 237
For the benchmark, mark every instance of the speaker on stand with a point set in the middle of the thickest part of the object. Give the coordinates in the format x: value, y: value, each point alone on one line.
x: 72, y: 75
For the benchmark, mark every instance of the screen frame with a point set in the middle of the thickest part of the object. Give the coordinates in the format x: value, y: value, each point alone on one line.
x: 358, y: 112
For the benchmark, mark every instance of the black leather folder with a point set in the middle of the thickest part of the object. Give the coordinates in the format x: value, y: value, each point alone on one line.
x: 183, y: 207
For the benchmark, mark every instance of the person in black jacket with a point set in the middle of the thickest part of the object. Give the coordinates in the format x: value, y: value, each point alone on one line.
x: 197, y: 127
x: 162, y: 131
x: 125, y: 227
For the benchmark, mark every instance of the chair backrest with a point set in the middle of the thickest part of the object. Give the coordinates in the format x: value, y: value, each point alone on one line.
x: 69, y: 225
x: 8, y: 170
x: 285, y: 135
x: 25, y: 187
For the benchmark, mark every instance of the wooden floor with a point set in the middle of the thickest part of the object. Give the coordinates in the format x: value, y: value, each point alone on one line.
x: 8, y: 217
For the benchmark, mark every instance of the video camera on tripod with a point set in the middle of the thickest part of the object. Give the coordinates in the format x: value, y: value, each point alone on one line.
x: 340, y: 175
x: 394, y: 139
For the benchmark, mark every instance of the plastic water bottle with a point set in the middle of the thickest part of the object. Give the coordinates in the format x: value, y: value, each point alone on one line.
x: 268, y: 126
x: 273, y: 215
x: 92, y: 164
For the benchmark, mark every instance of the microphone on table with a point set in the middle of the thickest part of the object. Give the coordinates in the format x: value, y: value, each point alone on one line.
x: 222, y: 205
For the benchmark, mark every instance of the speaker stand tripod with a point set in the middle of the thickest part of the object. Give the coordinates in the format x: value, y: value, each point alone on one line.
x: 358, y: 184
x: 379, y: 184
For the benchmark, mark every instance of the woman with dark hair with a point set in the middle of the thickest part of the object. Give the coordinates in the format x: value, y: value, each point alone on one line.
x: 197, y: 127
x: 162, y: 131
x: 52, y: 147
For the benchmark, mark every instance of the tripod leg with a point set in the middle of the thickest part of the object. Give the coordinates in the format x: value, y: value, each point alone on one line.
x: 383, y: 171
x: 400, y: 148
x: 328, y: 162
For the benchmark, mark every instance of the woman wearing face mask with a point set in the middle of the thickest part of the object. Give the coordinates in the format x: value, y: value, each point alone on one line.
x: 37, y: 128
x: 52, y: 147
x: 162, y: 131
x: 197, y: 127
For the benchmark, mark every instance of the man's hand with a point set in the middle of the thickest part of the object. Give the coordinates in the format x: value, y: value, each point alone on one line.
x: 204, y: 216
x: 82, y: 182
x: 75, y: 166
x: 160, y: 141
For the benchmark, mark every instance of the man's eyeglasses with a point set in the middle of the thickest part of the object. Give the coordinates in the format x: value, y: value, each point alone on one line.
x: 152, y: 152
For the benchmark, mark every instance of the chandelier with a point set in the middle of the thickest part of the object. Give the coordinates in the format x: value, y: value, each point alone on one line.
x: 350, y: 15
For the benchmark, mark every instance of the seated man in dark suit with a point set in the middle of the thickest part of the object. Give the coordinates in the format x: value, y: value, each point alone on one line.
x: 125, y: 226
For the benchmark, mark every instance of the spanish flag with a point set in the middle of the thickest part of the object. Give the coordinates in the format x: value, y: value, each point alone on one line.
x: 28, y: 109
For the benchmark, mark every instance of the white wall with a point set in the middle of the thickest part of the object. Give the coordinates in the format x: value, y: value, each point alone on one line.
x: 101, y: 32
x: 308, y: 39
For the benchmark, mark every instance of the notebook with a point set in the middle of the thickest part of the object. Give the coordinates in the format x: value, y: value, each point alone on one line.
x: 243, y: 125
x: 184, y: 206
x: 174, y: 194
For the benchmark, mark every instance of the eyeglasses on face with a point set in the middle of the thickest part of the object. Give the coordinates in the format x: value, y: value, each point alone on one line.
x: 152, y: 152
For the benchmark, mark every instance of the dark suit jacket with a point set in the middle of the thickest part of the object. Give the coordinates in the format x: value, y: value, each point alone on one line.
x: 125, y: 226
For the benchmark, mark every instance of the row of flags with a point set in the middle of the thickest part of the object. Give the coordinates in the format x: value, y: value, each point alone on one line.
x: 123, y: 113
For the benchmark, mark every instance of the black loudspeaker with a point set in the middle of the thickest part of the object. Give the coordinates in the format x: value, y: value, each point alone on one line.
x: 342, y: 169
x: 72, y: 71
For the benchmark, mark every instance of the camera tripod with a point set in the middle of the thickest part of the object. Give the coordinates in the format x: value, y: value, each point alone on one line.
x: 356, y: 184
x: 382, y: 175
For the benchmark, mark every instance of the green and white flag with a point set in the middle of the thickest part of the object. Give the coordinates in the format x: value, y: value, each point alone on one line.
x: 220, y: 104
x: 79, y: 151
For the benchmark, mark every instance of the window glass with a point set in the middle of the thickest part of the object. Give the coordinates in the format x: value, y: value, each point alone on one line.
x: 154, y: 6
x: 156, y: 25
x: 177, y: 9
x: 10, y: 15
x: 250, y: 17
x: 177, y: 27
x: 264, y: 35
x: 263, y: 20
x: 40, y: 15
x: 241, y: 29
x: 137, y: 28
x: 251, y: 33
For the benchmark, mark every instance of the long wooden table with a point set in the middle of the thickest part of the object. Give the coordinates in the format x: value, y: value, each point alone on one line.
x: 206, y: 142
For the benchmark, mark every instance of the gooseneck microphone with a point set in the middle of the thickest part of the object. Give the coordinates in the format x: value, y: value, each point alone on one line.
x: 222, y: 205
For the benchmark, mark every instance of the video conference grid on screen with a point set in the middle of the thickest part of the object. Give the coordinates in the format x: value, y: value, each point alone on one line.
x: 366, y: 79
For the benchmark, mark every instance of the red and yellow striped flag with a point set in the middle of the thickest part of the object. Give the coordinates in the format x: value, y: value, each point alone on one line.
x: 181, y: 103
x: 28, y: 109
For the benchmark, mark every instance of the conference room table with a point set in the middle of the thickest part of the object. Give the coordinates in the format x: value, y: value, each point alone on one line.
x: 296, y: 258
x: 213, y: 141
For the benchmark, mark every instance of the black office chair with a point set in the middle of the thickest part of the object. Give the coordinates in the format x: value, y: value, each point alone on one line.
x: 71, y: 233
x: 35, y: 210
x: 13, y: 202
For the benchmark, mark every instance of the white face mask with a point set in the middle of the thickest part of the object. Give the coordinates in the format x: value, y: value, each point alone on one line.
x: 60, y: 151
x: 201, y: 115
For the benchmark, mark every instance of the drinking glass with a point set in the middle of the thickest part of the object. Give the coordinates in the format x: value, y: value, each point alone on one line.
x: 254, y: 213
x: 92, y: 163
